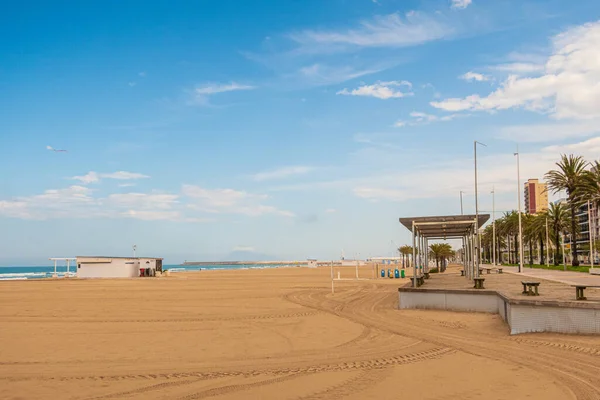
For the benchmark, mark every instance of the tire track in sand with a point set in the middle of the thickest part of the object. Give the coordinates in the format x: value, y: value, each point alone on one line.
x: 174, y: 320
x: 378, y: 310
x: 356, y: 384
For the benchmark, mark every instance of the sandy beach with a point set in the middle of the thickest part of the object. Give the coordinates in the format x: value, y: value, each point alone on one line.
x: 270, y: 334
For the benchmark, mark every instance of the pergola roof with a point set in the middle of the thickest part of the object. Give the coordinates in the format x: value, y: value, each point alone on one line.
x: 444, y: 227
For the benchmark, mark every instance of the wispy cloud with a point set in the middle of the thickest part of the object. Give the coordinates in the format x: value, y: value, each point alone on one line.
x: 94, y: 177
x: 474, y: 76
x: 213, y: 88
x: 380, y: 90
x: 202, y: 93
x: 518, y: 68
x: 283, y: 172
x: 230, y: 201
x: 421, y: 118
x: 461, y: 4
x: 322, y: 74
x: 393, y: 30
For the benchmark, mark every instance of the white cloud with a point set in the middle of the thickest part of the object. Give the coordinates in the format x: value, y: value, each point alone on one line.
x: 126, y: 184
x: 330, y: 210
x: 320, y: 74
x: 142, y: 74
x: 90, y: 177
x: 421, y: 118
x: 380, y: 90
x: 548, y: 132
x: 283, y: 172
x: 143, y: 201
x: 446, y: 178
x: 214, y: 88
x: 131, y: 84
x: 152, y: 215
x: 518, y: 68
x: 230, y: 201
x: 569, y: 88
x: 74, y: 201
x: 393, y: 30
x: 124, y: 175
x: 461, y: 4
x: 474, y: 76
x: 94, y: 177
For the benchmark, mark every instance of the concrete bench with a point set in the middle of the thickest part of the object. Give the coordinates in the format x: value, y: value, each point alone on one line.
x: 426, y: 275
x: 529, y: 287
x: 579, y: 291
x: 488, y: 270
x: 462, y: 272
x: 478, y: 283
x: 498, y: 270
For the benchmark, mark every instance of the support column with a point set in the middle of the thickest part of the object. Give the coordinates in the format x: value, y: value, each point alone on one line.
x: 414, y: 256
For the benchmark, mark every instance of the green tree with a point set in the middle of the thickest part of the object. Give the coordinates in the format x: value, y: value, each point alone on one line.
x: 559, y: 221
x: 406, y: 252
x: 570, y: 176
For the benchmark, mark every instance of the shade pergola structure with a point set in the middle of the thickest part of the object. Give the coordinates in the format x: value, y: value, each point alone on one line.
x: 68, y: 261
x: 445, y: 227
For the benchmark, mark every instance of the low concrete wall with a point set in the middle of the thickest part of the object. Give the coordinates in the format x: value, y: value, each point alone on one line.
x: 522, y: 316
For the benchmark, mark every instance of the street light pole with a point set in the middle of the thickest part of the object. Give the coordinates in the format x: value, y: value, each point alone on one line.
x: 475, y: 143
x: 590, y: 235
x: 547, y: 245
x: 494, y: 225
x: 461, y: 203
x: 519, y: 199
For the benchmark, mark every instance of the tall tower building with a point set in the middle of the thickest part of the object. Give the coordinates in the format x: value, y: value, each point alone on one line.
x: 536, y: 196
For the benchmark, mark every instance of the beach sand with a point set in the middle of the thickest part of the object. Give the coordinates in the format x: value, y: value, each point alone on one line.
x: 270, y: 334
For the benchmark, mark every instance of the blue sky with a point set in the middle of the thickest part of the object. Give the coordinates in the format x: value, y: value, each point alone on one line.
x: 289, y: 129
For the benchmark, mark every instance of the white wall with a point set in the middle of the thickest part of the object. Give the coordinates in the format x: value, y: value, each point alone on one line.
x: 521, y: 318
x: 117, y: 268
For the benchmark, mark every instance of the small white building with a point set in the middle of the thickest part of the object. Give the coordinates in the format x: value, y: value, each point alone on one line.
x: 117, y: 267
x: 312, y: 263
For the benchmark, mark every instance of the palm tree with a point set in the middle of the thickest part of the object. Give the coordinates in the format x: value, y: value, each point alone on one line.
x: 537, y: 231
x: 441, y: 252
x: 509, y: 227
x: 571, y: 177
x: 591, y: 187
x: 406, y: 252
x: 529, y: 234
x: 559, y: 222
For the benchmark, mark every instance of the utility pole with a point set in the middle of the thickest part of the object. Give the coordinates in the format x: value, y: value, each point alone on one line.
x: 461, y: 203
x: 519, y: 200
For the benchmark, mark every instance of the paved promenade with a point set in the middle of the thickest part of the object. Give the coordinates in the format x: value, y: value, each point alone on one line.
x: 568, y: 277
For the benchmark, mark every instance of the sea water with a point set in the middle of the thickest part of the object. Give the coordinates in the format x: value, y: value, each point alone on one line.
x: 40, y: 272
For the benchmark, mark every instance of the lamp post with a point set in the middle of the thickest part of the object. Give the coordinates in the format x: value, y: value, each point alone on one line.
x: 475, y: 143
x: 547, y: 245
x: 519, y: 200
x: 494, y: 226
x: 461, y: 203
x: 590, y: 235
x: 134, y: 249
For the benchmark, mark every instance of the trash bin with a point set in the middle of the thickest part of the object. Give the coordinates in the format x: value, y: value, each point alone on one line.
x: 389, y: 273
x: 402, y: 274
x: 383, y: 273
x: 396, y: 273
